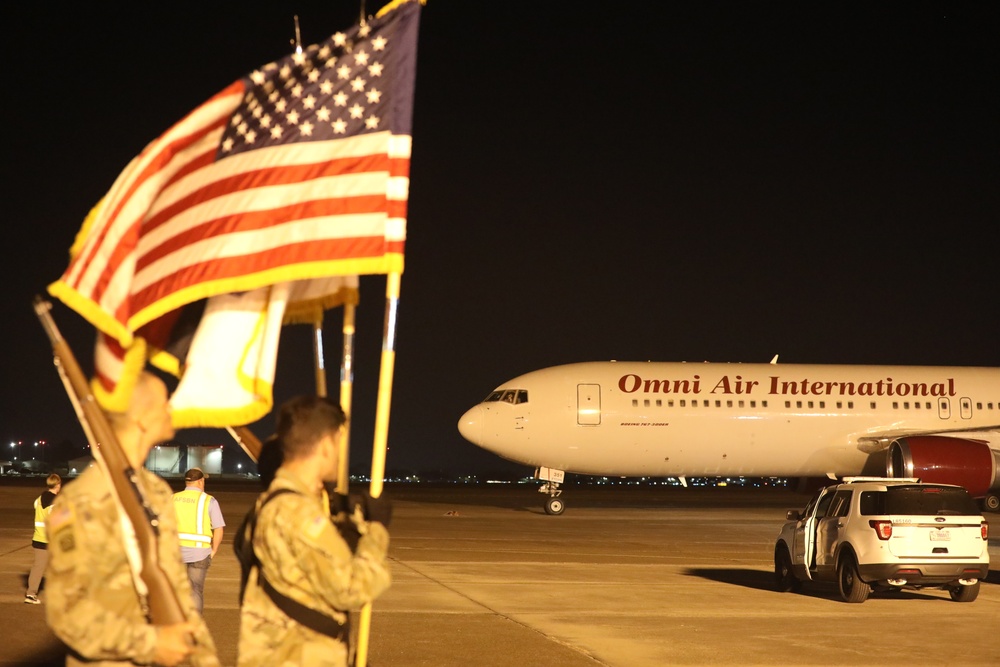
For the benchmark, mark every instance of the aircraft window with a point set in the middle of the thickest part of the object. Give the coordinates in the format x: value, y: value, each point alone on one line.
x: 979, y: 406
x: 635, y: 402
x: 788, y: 404
x: 694, y: 404
x: 493, y: 397
x: 917, y: 405
x: 659, y: 403
x: 729, y: 404
x: 645, y: 403
x: 763, y: 404
x: 509, y: 396
x: 989, y: 406
x: 670, y: 402
x: 740, y: 404
x: 798, y: 404
x: 872, y: 404
x: 683, y: 402
x: 753, y: 404
x: 810, y: 404
x: 706, y: 402
x: 822, y: 404
x: 850, y: 405
x: 895, y: 405
x: 522, y: 396
x: 839, y: 405
x: 718, y: 403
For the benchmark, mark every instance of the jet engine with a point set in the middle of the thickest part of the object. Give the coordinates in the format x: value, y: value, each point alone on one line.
x: 947, y: 460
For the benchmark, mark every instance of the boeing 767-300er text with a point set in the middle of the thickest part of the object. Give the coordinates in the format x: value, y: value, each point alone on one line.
x: 938, y: 423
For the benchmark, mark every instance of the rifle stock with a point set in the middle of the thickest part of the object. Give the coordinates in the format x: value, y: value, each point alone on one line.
x: 163, y: 604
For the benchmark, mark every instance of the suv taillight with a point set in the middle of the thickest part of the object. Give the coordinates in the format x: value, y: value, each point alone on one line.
x: 882, y: 528
x: 984, y: 529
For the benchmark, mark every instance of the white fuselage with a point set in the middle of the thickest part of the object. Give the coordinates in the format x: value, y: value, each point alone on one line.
x: 692, y: 419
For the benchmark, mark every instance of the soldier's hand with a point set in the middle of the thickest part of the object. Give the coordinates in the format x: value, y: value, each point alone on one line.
x: 174, y: 643
x: 338, y: 501
x: 377, y: 509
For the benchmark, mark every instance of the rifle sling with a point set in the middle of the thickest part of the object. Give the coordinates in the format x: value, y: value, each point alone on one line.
x: 303, y: 615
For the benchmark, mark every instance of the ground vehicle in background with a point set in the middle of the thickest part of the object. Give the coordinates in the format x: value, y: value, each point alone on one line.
x: 884, y: 534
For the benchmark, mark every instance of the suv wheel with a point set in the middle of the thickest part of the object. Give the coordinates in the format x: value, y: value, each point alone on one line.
x: 852, y: 589
x: 964, y: 593
x: 784, y: 579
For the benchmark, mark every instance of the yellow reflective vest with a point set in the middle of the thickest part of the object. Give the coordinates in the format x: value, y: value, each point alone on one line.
x: 194, y: 525
x: 40, y: 515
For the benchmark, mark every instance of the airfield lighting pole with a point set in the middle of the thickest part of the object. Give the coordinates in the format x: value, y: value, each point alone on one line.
x: 381, y: 432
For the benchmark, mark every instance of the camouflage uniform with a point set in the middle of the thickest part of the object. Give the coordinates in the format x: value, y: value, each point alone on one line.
x: 93, y: 605
x: 304, y: 557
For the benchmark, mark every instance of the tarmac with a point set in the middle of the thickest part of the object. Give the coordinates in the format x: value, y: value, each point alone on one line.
x: 626, y: 577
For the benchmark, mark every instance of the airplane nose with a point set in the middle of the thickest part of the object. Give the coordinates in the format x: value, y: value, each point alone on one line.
x: 471, y: 425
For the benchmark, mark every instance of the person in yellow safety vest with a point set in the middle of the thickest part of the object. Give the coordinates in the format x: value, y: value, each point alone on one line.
x: 199, y: 526
x: 40, y: 539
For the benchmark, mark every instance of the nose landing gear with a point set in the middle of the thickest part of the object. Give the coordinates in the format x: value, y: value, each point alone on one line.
x: 553, y: 504
x: 552, y: 478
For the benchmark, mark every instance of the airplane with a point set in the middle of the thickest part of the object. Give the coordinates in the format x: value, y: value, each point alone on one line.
x: 684, y: 419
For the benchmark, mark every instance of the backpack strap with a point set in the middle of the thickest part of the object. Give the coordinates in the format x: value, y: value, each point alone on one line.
x: 305, y: 616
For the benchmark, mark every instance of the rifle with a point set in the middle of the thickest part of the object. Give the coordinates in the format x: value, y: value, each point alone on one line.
x: 162, y: 604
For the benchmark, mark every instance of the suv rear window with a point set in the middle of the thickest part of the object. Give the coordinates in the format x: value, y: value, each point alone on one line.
x: 927, y: 500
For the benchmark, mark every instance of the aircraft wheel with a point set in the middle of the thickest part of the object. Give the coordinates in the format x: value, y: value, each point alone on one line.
x: 554, y: 506
x: 852, y: 589
x: 964, y: 593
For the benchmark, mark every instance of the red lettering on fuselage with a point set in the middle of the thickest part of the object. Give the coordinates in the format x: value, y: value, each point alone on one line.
x: 631, y: 383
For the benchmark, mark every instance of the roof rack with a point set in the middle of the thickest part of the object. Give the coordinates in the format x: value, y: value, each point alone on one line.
x: 848, y: 480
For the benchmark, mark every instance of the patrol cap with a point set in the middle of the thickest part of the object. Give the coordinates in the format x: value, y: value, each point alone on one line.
x: 194, y: 474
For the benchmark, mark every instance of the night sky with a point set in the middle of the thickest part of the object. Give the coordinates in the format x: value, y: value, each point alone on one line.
x: 710, y: 181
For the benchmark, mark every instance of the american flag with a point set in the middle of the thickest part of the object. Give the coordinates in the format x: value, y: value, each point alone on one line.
x: 297, y: 172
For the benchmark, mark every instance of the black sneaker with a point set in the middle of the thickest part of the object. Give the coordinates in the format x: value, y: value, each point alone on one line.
x: 31, y: 599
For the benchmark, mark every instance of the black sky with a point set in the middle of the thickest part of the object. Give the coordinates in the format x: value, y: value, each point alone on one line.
x: 720, y: 181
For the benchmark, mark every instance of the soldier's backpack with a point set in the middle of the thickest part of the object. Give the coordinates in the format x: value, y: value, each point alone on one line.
x: 243, y: 539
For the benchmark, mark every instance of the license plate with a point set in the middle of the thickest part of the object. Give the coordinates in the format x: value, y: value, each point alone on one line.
x: 940, y: 536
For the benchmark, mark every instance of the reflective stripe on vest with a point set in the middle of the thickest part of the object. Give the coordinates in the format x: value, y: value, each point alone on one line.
x: 40, y: 514
x: 194, y: 525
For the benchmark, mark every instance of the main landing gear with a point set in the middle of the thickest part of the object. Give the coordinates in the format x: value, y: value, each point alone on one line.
x: 552, y: 478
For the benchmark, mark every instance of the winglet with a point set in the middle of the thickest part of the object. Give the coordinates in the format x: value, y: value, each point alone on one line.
x: 775, y: 360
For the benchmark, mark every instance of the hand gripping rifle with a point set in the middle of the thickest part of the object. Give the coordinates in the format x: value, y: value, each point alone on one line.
x: 162, y: 604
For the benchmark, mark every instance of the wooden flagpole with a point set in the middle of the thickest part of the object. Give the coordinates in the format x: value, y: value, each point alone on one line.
x: 379, y: 445
x: 346, y: 394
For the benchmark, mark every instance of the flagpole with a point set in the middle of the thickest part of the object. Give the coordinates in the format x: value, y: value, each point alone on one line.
x: 318, y: 354
x: 381, y: 432
x: 346, y: 393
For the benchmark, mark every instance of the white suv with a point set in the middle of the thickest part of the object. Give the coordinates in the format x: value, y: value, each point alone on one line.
x: 885, y: 534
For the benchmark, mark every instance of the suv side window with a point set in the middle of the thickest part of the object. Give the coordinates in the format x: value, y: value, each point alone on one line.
x: 841, y: 505
x: 824, y: 504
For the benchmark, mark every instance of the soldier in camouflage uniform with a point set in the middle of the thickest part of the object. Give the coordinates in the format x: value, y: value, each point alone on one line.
x: 93, y: 603
x: 313, y: 576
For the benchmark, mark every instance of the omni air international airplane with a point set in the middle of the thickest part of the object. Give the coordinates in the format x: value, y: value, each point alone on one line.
x: 936, y: 423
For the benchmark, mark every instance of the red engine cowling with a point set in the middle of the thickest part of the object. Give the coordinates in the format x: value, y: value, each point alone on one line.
x: 945, y: 460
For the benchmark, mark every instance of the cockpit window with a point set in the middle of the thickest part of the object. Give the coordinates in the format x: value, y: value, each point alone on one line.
x: 508, y: 396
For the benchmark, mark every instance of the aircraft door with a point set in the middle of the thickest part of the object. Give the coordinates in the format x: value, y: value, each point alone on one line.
x: 588, y: 404
x: 965, y: 405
